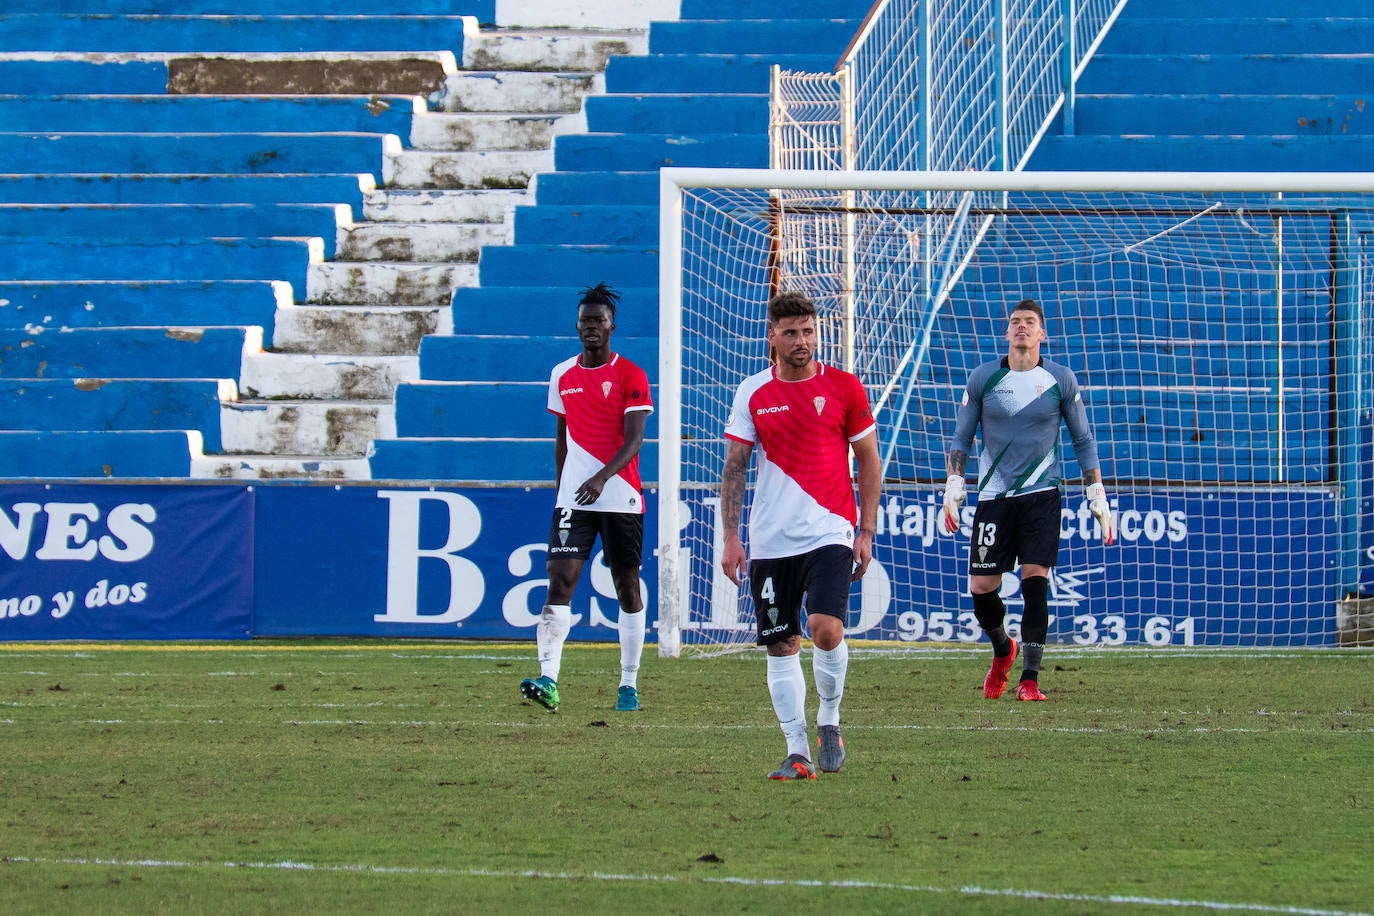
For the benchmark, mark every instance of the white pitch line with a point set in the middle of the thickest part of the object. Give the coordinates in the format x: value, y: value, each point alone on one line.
x: 965, y: 890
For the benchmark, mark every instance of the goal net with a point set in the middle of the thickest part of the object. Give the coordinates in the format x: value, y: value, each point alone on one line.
x: 1219, y: 325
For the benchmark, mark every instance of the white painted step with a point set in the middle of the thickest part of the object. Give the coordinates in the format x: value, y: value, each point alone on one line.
x: 511, y: 90
x: 338, y: 429
x: 585, y: 50
x: 502, y: 169
x: 363, y: 329
x: 324, y: 376
x: 585, y: 14
x: 279, y: 467
x: 386, y: 282
x: 395, y: 241
x: 448, y: 205
x: 496, y: 130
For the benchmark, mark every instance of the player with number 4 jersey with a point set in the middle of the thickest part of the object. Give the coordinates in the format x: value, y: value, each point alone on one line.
x: 602, y: 403
x: 805, y: 418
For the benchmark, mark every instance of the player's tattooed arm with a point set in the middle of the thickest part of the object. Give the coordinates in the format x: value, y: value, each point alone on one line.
x: 732, y: 485
x: 956, y: 462
x: 733, y: 558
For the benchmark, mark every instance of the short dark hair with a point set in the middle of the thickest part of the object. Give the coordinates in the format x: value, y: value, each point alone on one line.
x: 790, y: 304
x: 600, y: 294
x: 1030, y: 305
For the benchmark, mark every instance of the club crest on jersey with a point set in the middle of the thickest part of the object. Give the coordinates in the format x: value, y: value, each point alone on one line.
x: 606, y: 389
x: 819, y: 404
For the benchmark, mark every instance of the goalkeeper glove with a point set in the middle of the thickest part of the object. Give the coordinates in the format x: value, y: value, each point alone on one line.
x: 954, y: 498
x: 1097, y: 505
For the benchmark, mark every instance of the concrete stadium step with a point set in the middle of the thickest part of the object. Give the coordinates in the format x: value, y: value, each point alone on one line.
x: 649, y: 152
x: 568, y: 50
x: 162, y: 259
x: 476, y: 358
x: 1137, y: 113
x: 1280, y: 74
x: 1204, y: 153
x: 1292, y: 33
x: 207, y: 114
x: 443, y: 205
x: 156, y: 352
x: 230, y: 33
x: 550, y: 310
x: 502, y: 130
x: 369, y: 329
x: 549, y: 265
x: 784, y: 34
x: 170, y: 188
x: 101, y: 403
x: 456, y: 460
x: 97, y: 454
x: 593, y: 225
x: 78, y: 153
x: 746, y: 113
x: 57, y: 304
x: 685, y: 73
x: 500, y: 169
x: 386, y: 282
x: 329, y: 222
x: 324, y: 376
x: 39, y: 73
x: 338, y: 429
x: 507, y: 90
x: 278, y: 467
x: 597, y: 188
x: 384, y: 241
x: 359, y: 72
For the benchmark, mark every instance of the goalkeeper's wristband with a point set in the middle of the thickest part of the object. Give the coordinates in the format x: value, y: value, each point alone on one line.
x: 1096, y: 491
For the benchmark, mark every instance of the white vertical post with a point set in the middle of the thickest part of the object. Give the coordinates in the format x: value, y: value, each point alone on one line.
x: 669, y: 414
x: 1070, y: 51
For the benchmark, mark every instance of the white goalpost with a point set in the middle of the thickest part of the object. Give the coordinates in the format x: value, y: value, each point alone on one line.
x: 1219, y: 323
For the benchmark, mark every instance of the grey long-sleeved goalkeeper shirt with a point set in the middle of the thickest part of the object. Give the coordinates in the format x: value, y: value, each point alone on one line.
x: 1020, y: 414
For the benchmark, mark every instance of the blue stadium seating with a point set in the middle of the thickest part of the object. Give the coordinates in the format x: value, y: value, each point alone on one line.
x: 225, y: 191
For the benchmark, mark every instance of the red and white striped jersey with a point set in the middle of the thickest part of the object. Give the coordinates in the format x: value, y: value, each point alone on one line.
x: 594, y: 403
x: 803, y: 492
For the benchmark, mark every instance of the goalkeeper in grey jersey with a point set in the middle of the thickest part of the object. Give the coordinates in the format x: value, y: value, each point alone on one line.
x: 1019, y: 401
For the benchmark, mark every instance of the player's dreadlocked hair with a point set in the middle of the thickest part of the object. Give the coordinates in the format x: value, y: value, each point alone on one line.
x: 600, y: 294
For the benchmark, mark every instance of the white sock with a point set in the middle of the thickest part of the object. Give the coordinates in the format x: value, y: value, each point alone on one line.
x: 829, y: 666
x: 787, y: 686
x: 631, y: 647
x: 554, y: 623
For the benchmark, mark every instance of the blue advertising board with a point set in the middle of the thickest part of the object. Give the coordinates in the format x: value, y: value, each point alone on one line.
x: 125, y: 562
x: 1217, y: 567
x: 389, y: 561
x: 1232, y: 566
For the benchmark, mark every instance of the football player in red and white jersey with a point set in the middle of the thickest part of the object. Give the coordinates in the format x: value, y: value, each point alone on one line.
x: 805, y: 417
x: 602, y: 403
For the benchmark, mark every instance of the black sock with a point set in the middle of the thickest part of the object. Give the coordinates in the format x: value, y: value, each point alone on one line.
x: 990, y: 611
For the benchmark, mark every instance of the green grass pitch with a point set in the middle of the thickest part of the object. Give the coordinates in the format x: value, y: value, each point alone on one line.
x: 407, y: 777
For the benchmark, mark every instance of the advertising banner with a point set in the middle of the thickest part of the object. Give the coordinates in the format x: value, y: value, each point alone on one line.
x: 98, y: 561
x: 1221, y: 567
x: 370, y: 561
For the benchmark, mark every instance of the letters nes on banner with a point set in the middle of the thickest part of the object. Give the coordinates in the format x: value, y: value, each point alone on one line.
x: 99, y: 561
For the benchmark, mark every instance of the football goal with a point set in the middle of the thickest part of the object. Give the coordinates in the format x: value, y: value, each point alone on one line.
x: 1220, y: 325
